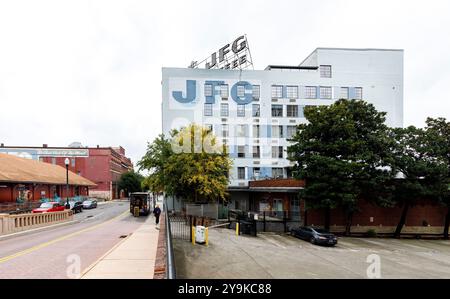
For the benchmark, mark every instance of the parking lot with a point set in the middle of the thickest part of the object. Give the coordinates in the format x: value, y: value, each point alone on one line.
x: 273, y: 255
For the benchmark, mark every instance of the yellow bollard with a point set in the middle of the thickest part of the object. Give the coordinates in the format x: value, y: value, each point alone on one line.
x: 193, y: 235
x: 206, y: 236
x: 237, y: 228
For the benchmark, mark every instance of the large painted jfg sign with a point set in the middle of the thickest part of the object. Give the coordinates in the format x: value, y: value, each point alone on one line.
x: 241, y: 92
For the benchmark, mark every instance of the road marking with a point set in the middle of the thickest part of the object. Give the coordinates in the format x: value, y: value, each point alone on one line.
x: 45, y: 244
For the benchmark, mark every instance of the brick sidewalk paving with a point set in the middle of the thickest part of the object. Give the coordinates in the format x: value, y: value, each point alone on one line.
x: 134, y: 257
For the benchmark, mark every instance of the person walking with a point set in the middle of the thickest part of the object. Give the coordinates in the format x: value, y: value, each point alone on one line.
x: 157, y: 212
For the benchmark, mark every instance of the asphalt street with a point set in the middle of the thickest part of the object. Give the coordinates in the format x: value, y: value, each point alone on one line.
x: 65, y: 251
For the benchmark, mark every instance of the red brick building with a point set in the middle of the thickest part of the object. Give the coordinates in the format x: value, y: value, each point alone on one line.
x: 25, y: 180
x: 101, y: 165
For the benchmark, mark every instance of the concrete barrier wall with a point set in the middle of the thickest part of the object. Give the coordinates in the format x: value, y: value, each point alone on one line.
x: 15, y: 223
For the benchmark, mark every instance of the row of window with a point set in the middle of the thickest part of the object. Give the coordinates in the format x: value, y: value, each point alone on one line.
x: 241, y: 131
x: 277, y: 172
x: 277, y: 110
x: 325, y: 92
x: 223, y: 91
x: 277, y: 152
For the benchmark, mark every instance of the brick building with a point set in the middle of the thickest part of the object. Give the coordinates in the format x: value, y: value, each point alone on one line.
x: 24, y: 180
x: 101, y: 165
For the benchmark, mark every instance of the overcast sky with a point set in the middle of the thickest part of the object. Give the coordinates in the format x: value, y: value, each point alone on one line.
x: 90, y: 71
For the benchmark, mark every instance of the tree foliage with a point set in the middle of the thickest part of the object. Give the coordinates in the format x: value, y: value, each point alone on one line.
x: 342, y: 153
x: 191, y: 164
x: 130, y: 182
x: 439, y: 147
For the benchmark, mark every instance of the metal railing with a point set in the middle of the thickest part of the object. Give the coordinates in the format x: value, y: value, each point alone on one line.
x: 170, y: 260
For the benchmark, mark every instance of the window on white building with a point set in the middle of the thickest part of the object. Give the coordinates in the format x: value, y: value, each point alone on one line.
x: 256, y: 92
x: 277, y: 152
x: 358, y: 93
x: 241, y: 173
x: 223, y: 109
x: 224, y: 130
x: 325, y: 92
x: 344, y: 93
x: 224, y: 91
x: 310, y: 92
x: 241, y: 91
x: 277, y: 91
x: 208, y: 90
x: 255, y: 133
x: 292, y: 92
x: 277, y: 131
x: 255, y: 110
x: 240, y: 110
x: 277, y: 110
x: 290, y: 131
x: 256, y: 151
x: 292, y: 110
x: 256, y: 172
x: 277, y: 172
x: 325, y: 71
x: 207, y: 110
x: 241, y: 130
x: 241, y: 151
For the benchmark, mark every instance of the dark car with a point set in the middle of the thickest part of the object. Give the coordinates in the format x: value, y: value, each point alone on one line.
x: 314, y: 235
x: 76, y: 206
x: 89, y: 204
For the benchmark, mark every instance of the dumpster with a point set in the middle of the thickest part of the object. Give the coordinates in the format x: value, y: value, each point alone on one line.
x: 200, y: 234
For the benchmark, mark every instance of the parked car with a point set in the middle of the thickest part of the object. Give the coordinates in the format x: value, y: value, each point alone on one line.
x: 76, y: 206
x: 314, y: 235
x: 47, y: 207
x: 89, y: 204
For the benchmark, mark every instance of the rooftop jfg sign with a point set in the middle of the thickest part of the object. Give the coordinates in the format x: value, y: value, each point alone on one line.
x: 231, y: 56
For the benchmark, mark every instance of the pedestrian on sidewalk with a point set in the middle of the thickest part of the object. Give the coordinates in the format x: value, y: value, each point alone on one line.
x: 157, y: 212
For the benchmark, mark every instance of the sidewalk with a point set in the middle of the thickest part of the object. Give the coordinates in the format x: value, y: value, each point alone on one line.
x: 134, y: 257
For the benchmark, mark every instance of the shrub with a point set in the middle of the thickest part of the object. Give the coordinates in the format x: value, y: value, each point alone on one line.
x: 371, y: 233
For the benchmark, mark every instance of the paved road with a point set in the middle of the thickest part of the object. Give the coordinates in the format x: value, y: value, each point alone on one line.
x: 282, y: 256
x: 65, y: 251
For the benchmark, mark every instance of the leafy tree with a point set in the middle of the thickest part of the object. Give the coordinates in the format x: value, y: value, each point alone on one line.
x: 191, y: 164
x: 420, y: 172
x: 439, y: 137
x: 156, y: 160
x: 341, y: 153
x: 130, y: 182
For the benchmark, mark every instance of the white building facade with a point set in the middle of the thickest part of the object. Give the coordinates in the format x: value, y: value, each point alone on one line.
x: 255, y: 111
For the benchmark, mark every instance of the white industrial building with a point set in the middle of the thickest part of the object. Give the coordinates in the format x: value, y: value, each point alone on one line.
x: 255, y: 111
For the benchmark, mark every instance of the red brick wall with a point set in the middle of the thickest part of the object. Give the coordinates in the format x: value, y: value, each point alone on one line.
x: 5, y: 193
x: 433, y: 214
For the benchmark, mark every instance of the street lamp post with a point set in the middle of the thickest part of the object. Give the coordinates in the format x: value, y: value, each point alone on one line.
x: 66, y: 162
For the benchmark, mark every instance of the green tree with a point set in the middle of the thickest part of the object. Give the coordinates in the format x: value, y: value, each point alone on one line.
x: 420, y: 172
x: 439, y: 142
x: 191, y: 164
x: 130, y: 182
x: 341, y: 153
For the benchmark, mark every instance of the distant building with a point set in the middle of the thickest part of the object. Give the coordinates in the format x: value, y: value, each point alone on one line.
x: 101, y: 165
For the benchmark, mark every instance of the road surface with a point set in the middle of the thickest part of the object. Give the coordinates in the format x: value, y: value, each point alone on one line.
x: 66, y: 251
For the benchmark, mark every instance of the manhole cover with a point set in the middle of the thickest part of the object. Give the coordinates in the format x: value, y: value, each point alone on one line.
x: 89, y: 216
x: 123, y: 236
